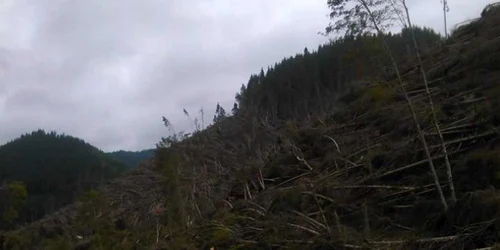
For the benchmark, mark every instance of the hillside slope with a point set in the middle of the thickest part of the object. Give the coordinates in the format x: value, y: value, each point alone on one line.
x: 353, y: 179
x: 132, y: 158
x: 55, y: 169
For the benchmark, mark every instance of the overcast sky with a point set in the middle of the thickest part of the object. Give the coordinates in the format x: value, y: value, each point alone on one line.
x: 108, y: 70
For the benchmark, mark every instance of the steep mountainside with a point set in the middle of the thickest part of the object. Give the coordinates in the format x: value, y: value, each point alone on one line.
x: 308, y: 84
x: 55, y: 169
x: 353, y: 178
x: 132, y: 158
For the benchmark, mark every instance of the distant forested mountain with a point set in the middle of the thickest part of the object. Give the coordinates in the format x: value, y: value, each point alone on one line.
x: 132, y: 158
x: 55, y: 169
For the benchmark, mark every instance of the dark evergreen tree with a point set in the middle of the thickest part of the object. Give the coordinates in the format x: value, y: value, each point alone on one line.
x: 220, y: 113
x: 306, y: 51
x: 235, y: 108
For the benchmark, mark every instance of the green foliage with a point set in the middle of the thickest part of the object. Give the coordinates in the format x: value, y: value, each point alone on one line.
x: 14, y: 196
x: 220, y: 235
x: 91, y: 197
x: 378, y: 96
x: 9, y: 215
x: 16, y: 193
x: 375, y: 96
x: 381, y: 94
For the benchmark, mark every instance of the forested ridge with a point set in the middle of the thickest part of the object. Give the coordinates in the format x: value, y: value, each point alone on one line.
x: 309, y: 83
x: 373, y: 141
x: 132, y: 158
x: 55, y: 170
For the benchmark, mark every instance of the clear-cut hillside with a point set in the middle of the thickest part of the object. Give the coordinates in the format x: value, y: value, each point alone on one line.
x: 352, y: 179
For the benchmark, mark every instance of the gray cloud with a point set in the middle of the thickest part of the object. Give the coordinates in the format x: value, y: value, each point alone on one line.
x: 106, y: 71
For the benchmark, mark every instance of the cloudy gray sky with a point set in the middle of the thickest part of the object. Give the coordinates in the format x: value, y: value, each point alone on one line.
x: 107, y: 71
